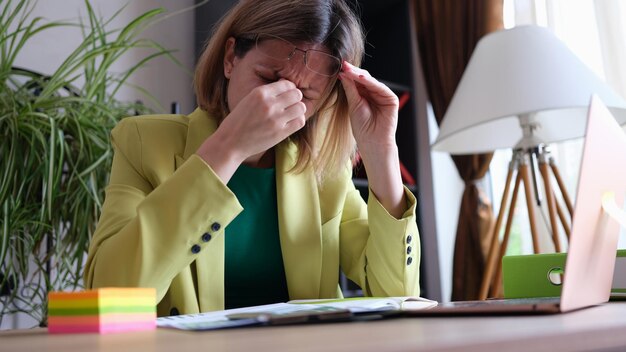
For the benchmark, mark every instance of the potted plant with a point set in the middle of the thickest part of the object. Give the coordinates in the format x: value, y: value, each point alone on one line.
x: 55, y: 152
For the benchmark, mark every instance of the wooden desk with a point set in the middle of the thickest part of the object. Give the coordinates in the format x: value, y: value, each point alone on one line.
x: 598, y: 328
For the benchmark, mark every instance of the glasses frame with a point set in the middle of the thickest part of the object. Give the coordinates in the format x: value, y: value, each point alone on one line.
x: 305, y: 53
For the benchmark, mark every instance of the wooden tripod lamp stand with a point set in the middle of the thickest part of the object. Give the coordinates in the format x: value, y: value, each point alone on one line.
x: 523, y: 89
x: 523, y: 169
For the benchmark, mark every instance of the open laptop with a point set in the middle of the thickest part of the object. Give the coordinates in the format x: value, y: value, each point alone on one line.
x: 593, y: 242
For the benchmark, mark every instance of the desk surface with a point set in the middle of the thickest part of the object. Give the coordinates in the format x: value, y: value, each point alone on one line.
x: 596, y: 328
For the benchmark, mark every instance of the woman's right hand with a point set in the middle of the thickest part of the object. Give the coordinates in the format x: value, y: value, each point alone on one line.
x: 264, y: 117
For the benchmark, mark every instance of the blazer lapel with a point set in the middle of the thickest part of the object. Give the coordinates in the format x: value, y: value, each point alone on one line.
x: 299, y: 222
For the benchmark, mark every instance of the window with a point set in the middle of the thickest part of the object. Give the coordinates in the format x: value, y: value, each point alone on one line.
x: 594, y: 31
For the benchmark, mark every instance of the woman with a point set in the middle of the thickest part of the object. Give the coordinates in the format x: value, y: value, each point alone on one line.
x: 282, y: 104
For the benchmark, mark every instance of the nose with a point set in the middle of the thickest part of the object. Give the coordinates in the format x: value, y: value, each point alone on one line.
x: 295, y: 71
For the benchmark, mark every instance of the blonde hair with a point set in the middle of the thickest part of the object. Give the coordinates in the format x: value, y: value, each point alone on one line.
x: 329, y: 22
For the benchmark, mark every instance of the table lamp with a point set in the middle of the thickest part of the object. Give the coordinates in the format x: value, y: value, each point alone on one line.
x: 522, y: 89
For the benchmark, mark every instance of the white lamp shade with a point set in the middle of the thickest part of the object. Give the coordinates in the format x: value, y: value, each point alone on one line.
x: 523, y: 70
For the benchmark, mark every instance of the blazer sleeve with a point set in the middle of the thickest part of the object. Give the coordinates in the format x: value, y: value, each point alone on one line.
x: 148, y: 233
x: 379, y: 252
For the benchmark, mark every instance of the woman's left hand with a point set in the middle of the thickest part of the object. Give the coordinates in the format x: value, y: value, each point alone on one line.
x: 373, y: 109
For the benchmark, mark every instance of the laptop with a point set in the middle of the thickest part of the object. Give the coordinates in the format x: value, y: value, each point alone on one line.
x: 593, y: 241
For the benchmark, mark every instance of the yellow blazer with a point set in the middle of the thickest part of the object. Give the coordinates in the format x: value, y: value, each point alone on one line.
x: 162, y: 200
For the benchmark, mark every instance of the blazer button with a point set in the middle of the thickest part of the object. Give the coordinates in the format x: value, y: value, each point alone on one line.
x: 215, y: 226
x: 409, y: 261
x: 206, y: 237
x: 195, y: 249
x: 174, y: 311
x: 408, y: 250
x: 409, y: 239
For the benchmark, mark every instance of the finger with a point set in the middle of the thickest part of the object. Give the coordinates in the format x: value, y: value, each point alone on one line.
x: 351, y: 90
x: 353, y: 71
x: 294, y: 118
x: 294, y: 125
x: 289, y: 97
x: 364, y: 78
x: 279, y: 87
x: 294, y: 110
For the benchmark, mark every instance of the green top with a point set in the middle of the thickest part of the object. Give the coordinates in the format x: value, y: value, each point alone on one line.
x: 254, y: 273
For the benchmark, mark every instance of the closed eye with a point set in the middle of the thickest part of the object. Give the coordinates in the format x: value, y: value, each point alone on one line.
x: 268, y: 79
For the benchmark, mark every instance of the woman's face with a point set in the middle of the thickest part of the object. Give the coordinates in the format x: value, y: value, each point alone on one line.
x: 255, y: 69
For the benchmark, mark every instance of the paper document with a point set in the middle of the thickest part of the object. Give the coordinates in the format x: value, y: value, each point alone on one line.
x: 293, y: 312
x: 369, y: 304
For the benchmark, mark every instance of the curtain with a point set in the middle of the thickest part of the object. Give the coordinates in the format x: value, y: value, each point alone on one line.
x: 593, y: 29
x: 448, y: 31
x: 596, y: 32
x: 612, y: 36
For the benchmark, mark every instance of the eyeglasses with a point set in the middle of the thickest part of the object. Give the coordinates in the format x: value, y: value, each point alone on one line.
x: 280, y: 49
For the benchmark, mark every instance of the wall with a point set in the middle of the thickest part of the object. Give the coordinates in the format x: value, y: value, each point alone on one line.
x: 166, y: 81
x: 448, y: 189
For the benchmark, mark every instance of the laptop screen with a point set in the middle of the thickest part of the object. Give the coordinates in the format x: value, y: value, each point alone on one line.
x: 593, y: 242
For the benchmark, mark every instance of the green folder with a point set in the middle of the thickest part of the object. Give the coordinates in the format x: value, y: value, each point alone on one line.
x: 538, y: 275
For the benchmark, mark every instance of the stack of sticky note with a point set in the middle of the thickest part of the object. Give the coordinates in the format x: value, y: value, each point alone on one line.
x: 103, y: 310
